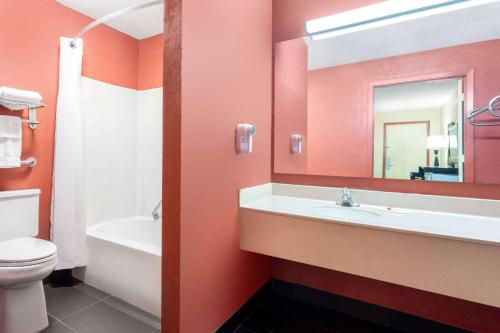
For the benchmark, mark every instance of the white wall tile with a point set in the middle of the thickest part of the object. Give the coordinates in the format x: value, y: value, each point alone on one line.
x: 111, y: 150
x: 123, y: 138
x: 149, y: 121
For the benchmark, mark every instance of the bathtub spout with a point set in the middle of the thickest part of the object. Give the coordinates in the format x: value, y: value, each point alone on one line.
x: 155, y: 212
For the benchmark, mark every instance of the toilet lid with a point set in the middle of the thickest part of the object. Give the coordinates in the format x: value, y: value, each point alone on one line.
x: 25, y: 249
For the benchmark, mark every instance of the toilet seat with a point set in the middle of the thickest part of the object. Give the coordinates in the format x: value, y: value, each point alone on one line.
x: 26, y: 251
x: 27, y: 263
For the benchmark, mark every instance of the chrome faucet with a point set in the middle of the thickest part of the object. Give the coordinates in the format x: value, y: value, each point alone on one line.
x: 346, y: 200
x: 155, y: 213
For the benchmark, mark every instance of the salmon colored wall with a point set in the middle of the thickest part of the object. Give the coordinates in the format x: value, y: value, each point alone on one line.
x: 113, y: 62
x: 226, y: 80
x: 337, y: 147
x: 290, y: 104
x: 29, y: 59
x: 288, y: 23
x: 150, y: 71
x: 351, y: 96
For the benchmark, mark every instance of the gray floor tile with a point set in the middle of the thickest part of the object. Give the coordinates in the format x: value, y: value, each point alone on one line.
x: 242, y: 330
x: 52, y: 319
x: 262, y: 320
x: 133, y: 311
x: 57, y: 327
x: 64, y: 301
x: 103, y: 318
x: 83, y: 287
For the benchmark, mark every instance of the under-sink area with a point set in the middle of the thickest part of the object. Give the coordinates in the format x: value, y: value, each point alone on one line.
x: 406, y: 239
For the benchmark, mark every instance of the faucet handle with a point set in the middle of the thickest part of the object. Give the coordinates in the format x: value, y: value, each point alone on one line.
x: 346, y: 200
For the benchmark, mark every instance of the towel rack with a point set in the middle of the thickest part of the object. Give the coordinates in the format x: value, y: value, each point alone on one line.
x: 493, y: 106
x: 32, y: 120
x: 30, y: 162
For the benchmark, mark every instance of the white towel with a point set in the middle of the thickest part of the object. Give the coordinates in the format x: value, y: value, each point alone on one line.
x: 15, y: 99
x: 11, y: 139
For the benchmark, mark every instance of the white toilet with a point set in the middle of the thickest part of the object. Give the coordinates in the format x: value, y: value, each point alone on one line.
x: 24, y: 262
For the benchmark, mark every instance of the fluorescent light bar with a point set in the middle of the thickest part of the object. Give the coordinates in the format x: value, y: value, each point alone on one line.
x: 374, y: 15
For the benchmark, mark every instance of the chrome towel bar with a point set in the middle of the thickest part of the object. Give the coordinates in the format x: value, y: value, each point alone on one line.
x: 32, y: 119
x: 493, y: 106
x: 30, y: 162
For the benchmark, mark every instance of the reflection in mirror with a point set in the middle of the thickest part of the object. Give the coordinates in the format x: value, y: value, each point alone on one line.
x: 416, y: 130
x: 391, y: 100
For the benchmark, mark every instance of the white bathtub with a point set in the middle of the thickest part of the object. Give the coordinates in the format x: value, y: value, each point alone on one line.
x: 125, y: 261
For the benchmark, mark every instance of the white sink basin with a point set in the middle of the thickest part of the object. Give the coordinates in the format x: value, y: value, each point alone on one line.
x: 342, y: 213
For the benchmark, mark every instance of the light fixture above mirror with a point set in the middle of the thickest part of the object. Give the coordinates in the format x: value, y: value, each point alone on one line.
x: 382, y: 14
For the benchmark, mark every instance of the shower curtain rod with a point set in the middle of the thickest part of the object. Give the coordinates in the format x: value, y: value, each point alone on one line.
x: 113, y: 15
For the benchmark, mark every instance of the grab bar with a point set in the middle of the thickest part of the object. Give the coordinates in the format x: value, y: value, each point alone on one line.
x: 155, y: 213
x: 29, y: 162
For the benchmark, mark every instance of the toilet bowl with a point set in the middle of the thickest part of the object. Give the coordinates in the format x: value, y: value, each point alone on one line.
x: 24, y: 262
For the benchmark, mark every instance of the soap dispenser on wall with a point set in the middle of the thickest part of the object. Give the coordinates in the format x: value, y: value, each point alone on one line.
x: 244, y: 134
x: 296, y: 144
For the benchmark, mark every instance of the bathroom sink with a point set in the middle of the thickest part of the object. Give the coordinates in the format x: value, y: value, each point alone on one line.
x: 342, y: 213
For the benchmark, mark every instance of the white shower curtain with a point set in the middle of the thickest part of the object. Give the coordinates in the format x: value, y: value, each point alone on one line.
x: 68, y: 224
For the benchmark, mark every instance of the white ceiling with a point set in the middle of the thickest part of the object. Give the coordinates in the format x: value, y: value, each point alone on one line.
x: 424, y: 95
x: 461, y: 26
x: 141, y: 24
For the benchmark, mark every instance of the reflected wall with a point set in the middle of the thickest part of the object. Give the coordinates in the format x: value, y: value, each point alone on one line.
x: 339, y: 118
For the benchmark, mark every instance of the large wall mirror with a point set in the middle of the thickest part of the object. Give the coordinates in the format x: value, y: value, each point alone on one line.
x: 392, y: 101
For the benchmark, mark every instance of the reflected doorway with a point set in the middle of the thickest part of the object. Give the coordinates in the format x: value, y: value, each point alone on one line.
x: 404, y: 147
x: 418, y: 130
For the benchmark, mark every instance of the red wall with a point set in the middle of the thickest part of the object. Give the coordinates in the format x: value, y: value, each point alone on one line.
x: 150, y: 62
x: 352, y: 96
x: 288, y: 23
x: 226, y: 80
x: 29, y: 59
x: 338, y: 122
x: 290, y: 104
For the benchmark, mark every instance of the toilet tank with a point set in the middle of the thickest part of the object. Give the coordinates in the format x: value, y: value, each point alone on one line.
x: 19, y: 214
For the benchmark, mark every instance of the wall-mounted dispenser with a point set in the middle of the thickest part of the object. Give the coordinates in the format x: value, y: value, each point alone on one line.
x: 296, y: 144
x: 244, y: 134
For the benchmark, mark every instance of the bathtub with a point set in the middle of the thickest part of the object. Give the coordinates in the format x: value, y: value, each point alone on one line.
x: 125, y: 261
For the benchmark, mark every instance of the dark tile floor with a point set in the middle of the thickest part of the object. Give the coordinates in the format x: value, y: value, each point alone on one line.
x: 279, y: 314
x: 83, y: 309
